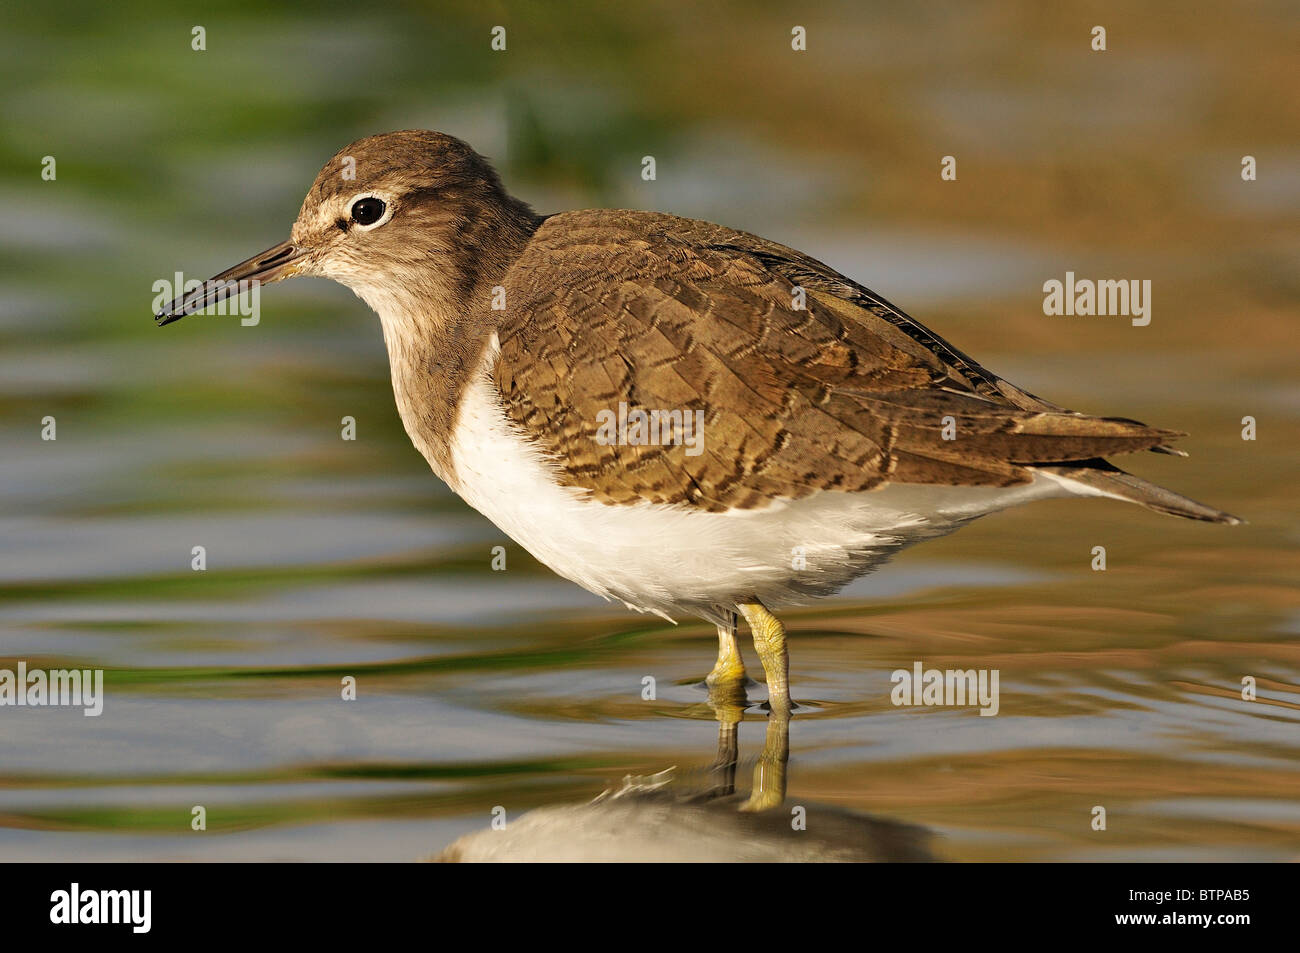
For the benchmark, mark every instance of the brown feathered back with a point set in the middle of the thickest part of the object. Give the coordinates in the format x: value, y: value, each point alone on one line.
x: 847, y: 393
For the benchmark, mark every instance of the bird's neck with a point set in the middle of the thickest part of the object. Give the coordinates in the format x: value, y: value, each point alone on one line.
x: 437, y: 321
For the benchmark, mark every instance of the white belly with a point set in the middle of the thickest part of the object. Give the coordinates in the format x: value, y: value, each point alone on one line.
x: 671, y: 559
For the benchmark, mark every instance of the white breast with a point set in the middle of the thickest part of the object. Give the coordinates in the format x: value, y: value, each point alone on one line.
x: 672, y: 559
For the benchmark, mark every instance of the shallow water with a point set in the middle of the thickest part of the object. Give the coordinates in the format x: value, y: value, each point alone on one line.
x: 479, y: 689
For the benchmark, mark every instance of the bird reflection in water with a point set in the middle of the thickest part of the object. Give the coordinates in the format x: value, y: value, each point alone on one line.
x: 655, y: 819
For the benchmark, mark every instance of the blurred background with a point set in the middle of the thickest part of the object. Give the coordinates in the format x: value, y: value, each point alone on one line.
x: 478, y: 689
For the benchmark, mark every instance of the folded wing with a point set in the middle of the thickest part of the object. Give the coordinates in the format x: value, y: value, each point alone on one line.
x: 825, y: 388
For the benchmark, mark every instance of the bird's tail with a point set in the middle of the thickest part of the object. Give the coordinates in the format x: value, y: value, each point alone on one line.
x: 1105, y: 479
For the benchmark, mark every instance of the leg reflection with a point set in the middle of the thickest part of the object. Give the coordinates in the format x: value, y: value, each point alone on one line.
x: 728, y: 703
x: 769, y: 775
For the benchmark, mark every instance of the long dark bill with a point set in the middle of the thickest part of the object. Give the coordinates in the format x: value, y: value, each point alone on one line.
x: 271, y: 265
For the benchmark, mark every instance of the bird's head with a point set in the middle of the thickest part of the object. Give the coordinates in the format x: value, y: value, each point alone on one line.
x: 399, y: 218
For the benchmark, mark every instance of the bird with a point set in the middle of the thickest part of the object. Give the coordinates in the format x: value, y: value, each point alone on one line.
x: 677, y: 415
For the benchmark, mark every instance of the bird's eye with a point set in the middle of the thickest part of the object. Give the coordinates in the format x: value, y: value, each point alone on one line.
x: 368, y: 211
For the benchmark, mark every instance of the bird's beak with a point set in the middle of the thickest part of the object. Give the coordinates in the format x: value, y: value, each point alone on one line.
x: 271, y: 265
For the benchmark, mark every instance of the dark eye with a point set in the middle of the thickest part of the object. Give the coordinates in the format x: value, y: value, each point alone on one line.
x: 367, y: 211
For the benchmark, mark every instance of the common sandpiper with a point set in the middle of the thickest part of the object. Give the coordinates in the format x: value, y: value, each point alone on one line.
x: 684, y: 417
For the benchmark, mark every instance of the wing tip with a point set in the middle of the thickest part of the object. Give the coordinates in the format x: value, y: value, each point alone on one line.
x: 1108, y: 480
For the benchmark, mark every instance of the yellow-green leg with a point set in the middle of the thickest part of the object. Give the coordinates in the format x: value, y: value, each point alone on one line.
x: 769, y: 641
x: 728, y: 700
x: 728, y: 675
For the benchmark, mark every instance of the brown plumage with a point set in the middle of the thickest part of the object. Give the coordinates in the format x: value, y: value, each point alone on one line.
x: 846, y: 393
